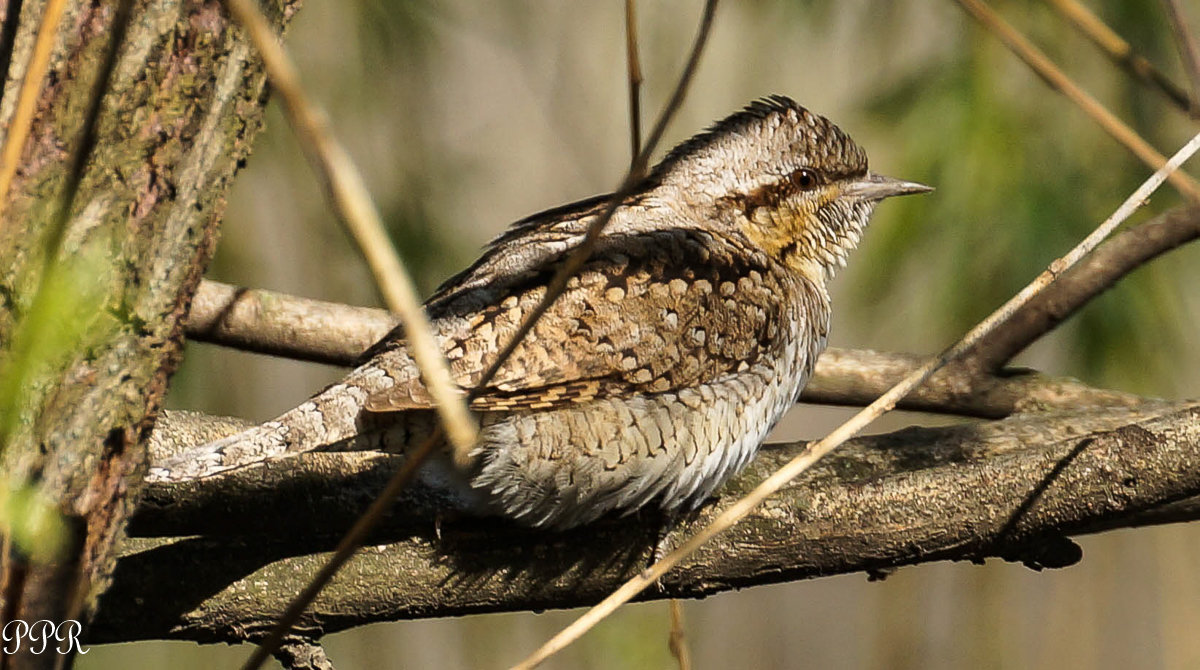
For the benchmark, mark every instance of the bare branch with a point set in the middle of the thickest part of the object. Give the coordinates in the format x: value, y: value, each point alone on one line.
x: 885, y: 403
x: 856, y: 377
x: 1122, y: 53
x: 278, y: 324
x: 1010, y: 488
x: 1045, y: 68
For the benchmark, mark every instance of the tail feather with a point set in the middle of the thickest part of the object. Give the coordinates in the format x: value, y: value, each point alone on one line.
x: 328, y: 417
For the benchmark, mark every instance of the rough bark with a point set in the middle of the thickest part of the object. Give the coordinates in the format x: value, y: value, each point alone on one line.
x: 175, y: 124
x: 1014, y: 488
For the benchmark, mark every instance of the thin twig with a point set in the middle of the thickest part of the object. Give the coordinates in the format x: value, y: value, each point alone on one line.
x: 583, y: 251
x: 887, y: 401
x: 1189, y: 51
x: 346, y: 191
x: 676, y: 641
x: 31, y: 87
x: 1121, y: 53
x: 634, y: 65
x: 1048, y: 71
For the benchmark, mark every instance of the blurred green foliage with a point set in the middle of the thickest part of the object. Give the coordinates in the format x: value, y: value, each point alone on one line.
x: 31, y: 520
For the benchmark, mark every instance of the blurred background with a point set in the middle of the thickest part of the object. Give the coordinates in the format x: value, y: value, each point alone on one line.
x: 465, y: 116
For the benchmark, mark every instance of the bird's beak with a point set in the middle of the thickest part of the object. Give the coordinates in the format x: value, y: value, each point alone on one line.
x: 877, y: 187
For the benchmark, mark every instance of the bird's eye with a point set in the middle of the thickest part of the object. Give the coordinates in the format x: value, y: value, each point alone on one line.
x: 807, y: 178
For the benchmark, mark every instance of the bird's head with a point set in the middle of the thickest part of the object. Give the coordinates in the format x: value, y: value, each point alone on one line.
x: 794, y: 183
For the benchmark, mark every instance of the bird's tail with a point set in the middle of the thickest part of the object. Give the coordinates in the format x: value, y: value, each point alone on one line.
x: 331, y: 416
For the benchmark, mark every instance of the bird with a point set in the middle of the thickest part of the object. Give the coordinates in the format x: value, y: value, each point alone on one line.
x: 657, y: 374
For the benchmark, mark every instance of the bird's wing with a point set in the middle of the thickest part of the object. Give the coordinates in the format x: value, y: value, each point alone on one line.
x: 651, y: 312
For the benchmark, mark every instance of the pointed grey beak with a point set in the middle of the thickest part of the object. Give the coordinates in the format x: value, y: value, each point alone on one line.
x: 877, y: 187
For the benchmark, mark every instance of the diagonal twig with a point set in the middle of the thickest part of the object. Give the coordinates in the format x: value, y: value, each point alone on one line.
x: 345, y: 550
x: 884, y: 403
x: 1046, y: 69
x: 1189, y: 51
x: 352, y: 202
x: 1121, y: 53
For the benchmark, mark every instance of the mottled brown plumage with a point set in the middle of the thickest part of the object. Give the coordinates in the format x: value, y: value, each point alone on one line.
x: 660, y: 370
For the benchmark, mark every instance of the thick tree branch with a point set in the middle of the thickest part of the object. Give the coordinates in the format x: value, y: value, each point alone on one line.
x: 1012, y: 488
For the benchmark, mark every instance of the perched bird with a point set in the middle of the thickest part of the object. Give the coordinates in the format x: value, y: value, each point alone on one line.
x: 657, y: 374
